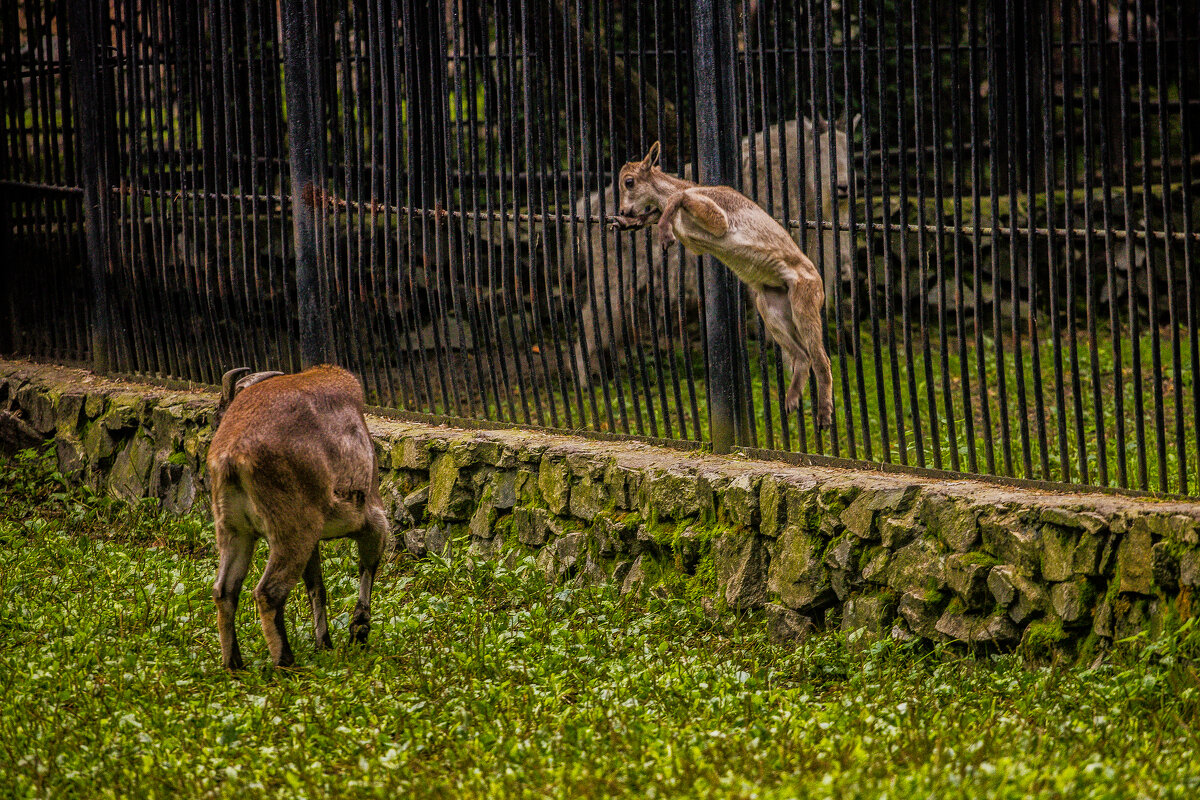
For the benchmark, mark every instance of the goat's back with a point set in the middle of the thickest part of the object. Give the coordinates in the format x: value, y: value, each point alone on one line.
x: 301, y: 435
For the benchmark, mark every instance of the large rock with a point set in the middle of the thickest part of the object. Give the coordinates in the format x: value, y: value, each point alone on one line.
x: 482, y: 522
x: 1086, y: 521
x: 504, y: 489
x: 560, y: 558
x: 671, y: 494
x: 873, y: 613
x: 785, y: 626
x: 921, y: 614
x: 38, y: 408
x: 1072, y: 602
x: 1135, y: 562
x: 860, y: 516
x: 130, y: 475
x: 69, y: 411
x: 772, y: 506
x: 967, y: 577
x: 917, y: 566
x: 741, y: 563
x: 797, y: 573
x: 587, y: 498
x: 1189, y: 568
x: 98, y: 444
x: 1179, y: 528
x: 535, y: 526
x: 448, y: 498
x: 1012, y: 542
x: 16, y: 434
x: 554, y: 482
x: 411, y: 453
x: 994, y: 629
x: 951, y: 520
x: 1018, y: 594
x: 1165, y: 566
x: 636, y: 577
x: 1058, y: 552
x: 740, y: 500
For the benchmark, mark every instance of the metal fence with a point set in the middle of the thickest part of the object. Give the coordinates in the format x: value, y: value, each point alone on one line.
x: 1000, y: 196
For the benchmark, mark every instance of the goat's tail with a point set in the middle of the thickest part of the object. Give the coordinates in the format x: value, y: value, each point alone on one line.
x: 224, y: 470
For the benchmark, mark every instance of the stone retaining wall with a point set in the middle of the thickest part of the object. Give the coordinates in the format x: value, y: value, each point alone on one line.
x: 895, y: 555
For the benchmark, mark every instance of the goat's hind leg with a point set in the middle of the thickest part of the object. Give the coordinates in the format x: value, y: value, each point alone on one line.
x: 774, y: 306
x: 236, y: 549
x: 806, y: 298
x: 370, y: 549
x: 314, y: 584
x: 284, y: 567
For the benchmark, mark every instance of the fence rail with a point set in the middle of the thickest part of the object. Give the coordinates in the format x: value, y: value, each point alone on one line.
x: 999, y: 195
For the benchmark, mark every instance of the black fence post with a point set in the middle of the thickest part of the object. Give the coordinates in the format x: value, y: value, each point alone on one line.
x: 8, y: 283
x: 717, y: 147
x: 304, y: 130
x: 90, y: 126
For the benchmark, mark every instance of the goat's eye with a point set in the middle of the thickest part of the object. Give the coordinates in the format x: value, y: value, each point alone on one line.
x: 629, y: 183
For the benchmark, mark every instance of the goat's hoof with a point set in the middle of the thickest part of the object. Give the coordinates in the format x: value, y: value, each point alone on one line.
x: 235, y: 664
x: 285, y: 660
x: 824, y: 423
x: 359, y: 633
x: 325, y: 643
x: 791, y: 403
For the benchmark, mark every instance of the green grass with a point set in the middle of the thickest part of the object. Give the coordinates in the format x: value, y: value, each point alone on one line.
x: 483, y: 681
x: 866, y: 415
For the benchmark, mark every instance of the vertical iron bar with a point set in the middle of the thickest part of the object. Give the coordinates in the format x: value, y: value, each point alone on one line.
x: 1060, y: 401
x: 964, y: 369
x: 940, y: 238
x: 716, y: 145
x: 1010, y: 136
x: 1135, y: 344
x: 1166, y: 187
x: 994, y: 122
x: 906, y: 270
x: 1031, y: 170
x: 889, y: 280
x: 90, y: 127
x: 1156, y: 378
x: 1187, y: 144
x: 301, y: 77
x: 1067, y: 59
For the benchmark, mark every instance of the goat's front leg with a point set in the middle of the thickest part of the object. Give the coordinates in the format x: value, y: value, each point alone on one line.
x: 702, y: 211
x: 666, y: 235
x: 370, y: 549
x: 314, y: 583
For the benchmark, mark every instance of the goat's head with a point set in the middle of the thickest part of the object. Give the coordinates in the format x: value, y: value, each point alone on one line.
x: 232, y: 382
x: 640, y: 204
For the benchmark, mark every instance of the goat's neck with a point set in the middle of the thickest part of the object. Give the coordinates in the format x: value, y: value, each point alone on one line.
x: 665, y: 185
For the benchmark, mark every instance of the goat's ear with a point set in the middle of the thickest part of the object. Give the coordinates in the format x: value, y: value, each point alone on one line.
x: 652, y: 156
x: 250, y: 380
x: 854, y: 123
x: 229, y: 383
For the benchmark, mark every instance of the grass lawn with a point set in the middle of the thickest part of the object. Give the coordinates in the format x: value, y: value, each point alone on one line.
x: 1012, y: 432
x: 483, y: 681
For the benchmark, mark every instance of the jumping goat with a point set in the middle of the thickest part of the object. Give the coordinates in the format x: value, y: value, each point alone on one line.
x: 787, y: 288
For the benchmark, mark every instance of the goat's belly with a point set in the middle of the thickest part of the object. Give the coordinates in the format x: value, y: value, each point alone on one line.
x: 754, y: 264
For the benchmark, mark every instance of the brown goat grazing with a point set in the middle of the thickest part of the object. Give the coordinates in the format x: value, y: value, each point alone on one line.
x: 291, y: 461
